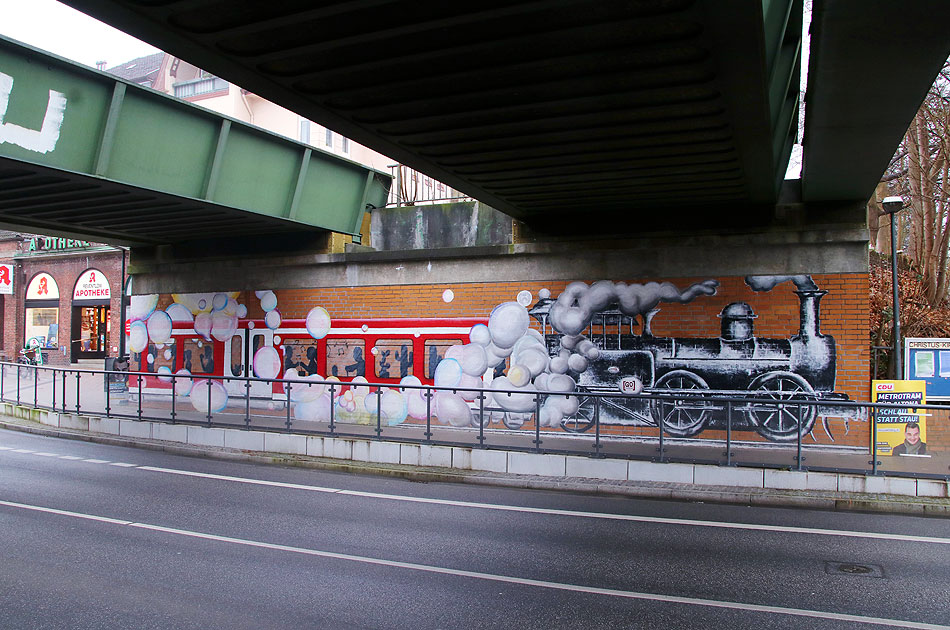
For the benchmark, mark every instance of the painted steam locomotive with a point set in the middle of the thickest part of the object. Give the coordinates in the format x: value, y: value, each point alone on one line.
x: 778, y: 372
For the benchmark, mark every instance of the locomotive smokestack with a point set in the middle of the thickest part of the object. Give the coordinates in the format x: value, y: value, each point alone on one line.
x: 810, y: 318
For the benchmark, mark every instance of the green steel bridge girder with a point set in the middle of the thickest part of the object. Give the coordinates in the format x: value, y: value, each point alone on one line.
x: 77, y: 143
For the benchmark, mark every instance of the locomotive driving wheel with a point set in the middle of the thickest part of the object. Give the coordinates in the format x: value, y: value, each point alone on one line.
x: 582, y: 419
x: 778, y: 417
x: 686, y: 415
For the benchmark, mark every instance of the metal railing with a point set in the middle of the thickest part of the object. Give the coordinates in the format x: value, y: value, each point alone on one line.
x: 686, y: 426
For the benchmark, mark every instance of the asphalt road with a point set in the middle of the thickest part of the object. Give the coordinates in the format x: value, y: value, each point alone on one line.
x: 95, y: 536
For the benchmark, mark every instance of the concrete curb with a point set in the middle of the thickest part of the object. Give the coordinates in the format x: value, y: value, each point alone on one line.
x: 813, y: 499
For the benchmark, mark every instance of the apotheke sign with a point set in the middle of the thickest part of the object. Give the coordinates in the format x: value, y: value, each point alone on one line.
x: 92, y: 285
x: 51, y: 244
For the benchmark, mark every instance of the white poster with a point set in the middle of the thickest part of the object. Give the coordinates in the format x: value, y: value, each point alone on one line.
x: 92, y: 285
x: 6, y: 279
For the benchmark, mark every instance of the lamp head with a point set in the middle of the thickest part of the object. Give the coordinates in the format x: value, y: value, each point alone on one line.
x: 892, y: 205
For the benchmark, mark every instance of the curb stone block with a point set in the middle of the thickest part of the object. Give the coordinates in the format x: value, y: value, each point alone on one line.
x: 648, y: 471
x: 315, y: 447
x: 244, y: 440
x: 535, y: 464
x: 596, y: 468
x: 103, y: 425
x: 786, y: 480
x: 410, y: 454
x: 384, y: 452
x: 170, y: 432
x: 205, y: 436
x: 285, y: 443
x: 130, y: 428
x: 435, y: 456
x: 492, y: 461
x: 461, y: 458
x: 724, y: 476
x: 933, y: 488
x: 337, y: 448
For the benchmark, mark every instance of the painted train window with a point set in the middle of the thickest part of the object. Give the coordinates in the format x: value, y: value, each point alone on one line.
x: 197, y: 356
x: 393, y: 358
x: 301, y: 354
x: 346, y: 358
x: 158, y: 357
x: 237, y: 355
x: 435, y: 352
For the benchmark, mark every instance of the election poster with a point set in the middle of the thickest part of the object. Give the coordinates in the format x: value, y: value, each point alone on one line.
x: 900, y: 431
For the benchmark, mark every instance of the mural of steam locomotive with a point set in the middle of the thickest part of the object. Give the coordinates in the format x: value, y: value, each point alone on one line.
x: 686, y: 373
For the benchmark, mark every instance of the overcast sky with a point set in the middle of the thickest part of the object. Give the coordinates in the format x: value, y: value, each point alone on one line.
x: 68, y: 33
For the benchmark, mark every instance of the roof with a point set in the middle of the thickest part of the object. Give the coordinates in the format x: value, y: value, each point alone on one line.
x: 141, y: 70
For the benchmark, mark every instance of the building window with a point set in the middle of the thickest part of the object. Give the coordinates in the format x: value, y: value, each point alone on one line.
x: 42, y: 311
x: 305, y: 131
x: 345, y: 144
x: 329, y: 138
x: 186, y: 89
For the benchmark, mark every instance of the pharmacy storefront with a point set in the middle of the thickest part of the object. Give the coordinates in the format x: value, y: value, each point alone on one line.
x: 91, y: 321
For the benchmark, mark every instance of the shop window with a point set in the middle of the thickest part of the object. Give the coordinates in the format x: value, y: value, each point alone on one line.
x: 393, y: 358
x: 197, y: 356
x: 346, y: 358
x: 435, y: 352
x: 302, y: 355
x: 43, y: 324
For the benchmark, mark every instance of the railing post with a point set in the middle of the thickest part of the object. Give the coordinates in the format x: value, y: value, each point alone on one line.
x: 481, y: 419
x: 428, y: 432
x: 3, y: 379
x: 139, y: 379
x: 64, y: 391
x: 597, y: 446
x: 537, y: 423
x: 729, y: 433
x: 798, y: 433
x: 379, y: 412
x: 174, y: 396
x: 18, y: 384
x: 247, y: 403
x: 288, y: 406
x: 332, y: 404
x: 209, y: 401
x: 659, y: 423
x: 106, y: 381
x: 78, y: 389
x: 873, y: 461
x: 36, y: 385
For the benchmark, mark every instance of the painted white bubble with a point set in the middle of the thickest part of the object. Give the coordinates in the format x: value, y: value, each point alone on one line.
x: 416, y: 402
x: 231, y: 306
x: 577, y: 363
x: 318, y: 322
x: 219, y: 301
x: 374, y: 350
x: 260, y: 294
x: 448, y: 373
x: 164, y: 374
x: 452, y: 409
x: 179, y: 313
x: 364, y: 327
x: 471, y: 383
x: 454, y: 352
x: 168, y: 355
x: 535, y: 360
x: 159, y: 327
x: 507, y: 323
x: 448, y: 295
x: 524, y: 298
x: 551, y: 416
x: 359, y: 388
x: 416, y: 335
x: 203, y: 324
x: 569, y: 342
x: 518, y: 402
x: 268, y: 301
x: 410, y: 380
x: 544, y: 294
x: 567, y: 404
x: 183, y: 382
x: 304, y: 392
x: 592, y: 353
x: 541, y: 381
x: 559, y: 365
x: 266, y: 362
x: 251, y: 325
x: 317, y: 410
x: 141, y: 306
x: 561, y: 383
x: 241, y: 311
x: 158, y: 345
x: 272, y: 319
x: 474, y: 360
x: 519, y: 375
x: 138, y: 336
x: 480, y: 335
x: 205, y: 390
x: 150, y: 358
x: 392, y: 406
x: 202, y: 304
x: 498, y: 352
x: 223, y: 326
x: 200, y: 344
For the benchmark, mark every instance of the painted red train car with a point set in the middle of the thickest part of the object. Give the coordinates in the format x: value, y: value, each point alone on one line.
x: 380, y: 350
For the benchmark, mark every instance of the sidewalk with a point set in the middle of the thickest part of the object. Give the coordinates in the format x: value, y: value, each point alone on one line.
x: 829, y: 491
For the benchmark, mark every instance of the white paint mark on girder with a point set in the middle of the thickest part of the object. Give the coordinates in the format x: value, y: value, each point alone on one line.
x: 43, y: 140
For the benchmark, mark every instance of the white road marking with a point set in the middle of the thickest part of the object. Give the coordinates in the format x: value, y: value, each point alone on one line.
x: 123, y: 465
x: 71, y: 458
x: 23, y: 450
x: 46, y: 454
x: 787, y: 529
x: 6, y: 448
x: 561, y: 586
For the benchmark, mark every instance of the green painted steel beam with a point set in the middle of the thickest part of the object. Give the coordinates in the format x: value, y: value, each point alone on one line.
x: 65, y: 122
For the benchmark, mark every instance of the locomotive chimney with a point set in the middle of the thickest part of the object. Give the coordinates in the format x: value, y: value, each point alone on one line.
x: 647, y: 320
x: 810, y: 318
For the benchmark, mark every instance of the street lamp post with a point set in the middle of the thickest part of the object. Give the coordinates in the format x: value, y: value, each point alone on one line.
x: 893, y: 205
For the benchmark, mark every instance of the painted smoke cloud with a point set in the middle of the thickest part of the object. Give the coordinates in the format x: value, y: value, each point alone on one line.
x: 578, y: 303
